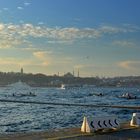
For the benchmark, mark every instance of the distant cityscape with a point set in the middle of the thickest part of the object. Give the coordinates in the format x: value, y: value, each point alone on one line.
x: 42, y: 80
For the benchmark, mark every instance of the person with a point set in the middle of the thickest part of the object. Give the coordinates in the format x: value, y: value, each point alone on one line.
x: 100, y: 94
x: 128, y: 96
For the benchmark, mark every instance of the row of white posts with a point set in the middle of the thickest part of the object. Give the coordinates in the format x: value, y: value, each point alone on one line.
x: 108, y: 122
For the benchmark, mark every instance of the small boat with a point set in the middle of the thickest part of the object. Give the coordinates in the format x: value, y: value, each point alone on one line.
x: 127, y: 96
x: 20, y: 89
x: 30, y: 94
x: 71, y: 86
x: 62, y: 86
x: 96, y: 94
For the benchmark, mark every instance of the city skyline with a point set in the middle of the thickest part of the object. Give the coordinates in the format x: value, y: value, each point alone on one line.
x: 94, y: 37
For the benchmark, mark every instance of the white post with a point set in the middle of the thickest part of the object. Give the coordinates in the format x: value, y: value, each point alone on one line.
x: 135, y: 121
x: 85, y: 126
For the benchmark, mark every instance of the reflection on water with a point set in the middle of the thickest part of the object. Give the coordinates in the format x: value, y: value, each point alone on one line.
x: 15, y: 117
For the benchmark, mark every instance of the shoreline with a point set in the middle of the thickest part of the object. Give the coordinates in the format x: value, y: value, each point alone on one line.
x: 68, y: 133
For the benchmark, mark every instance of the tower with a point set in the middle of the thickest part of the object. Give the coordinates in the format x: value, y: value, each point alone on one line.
x: 78, y: 73
x: 21, y: 71
x: 73, y: 73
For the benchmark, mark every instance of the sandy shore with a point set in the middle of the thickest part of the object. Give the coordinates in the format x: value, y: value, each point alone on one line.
x: 125, y: 132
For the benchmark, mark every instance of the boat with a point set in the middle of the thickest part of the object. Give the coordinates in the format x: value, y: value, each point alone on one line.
x: 62, y: 86
x: 31, y: 94
x: 21, y: 89
x: 127, y: 96
x: 96, y: 94
x: 71, y: 86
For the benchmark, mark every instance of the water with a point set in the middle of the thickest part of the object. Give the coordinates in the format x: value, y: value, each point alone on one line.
x: 15, y: 117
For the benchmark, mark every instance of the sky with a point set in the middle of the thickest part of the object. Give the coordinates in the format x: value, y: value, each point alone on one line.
x: 97, y: 37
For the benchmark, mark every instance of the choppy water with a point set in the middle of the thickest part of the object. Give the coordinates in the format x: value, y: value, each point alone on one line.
x: 15, y: 117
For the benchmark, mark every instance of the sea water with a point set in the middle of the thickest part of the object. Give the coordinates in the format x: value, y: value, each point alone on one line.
x: 19, y: 117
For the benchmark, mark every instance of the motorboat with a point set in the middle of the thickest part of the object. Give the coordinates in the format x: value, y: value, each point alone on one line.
x: 127, y: 96
x: 71, y: 86
x: 62, y: 86
x: 21, y: 89
x: 96, y: 94
x: 30, y: 94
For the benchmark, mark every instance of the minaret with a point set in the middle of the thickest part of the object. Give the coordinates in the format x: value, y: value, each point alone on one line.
x: 21, y: 71
x: 73, y: 73
x: 78, y: 73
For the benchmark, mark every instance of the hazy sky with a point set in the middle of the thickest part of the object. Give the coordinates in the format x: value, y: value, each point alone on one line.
x: 98, y: 37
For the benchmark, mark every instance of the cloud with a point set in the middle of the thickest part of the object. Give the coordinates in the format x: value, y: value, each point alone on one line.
x: 67, y: 33
x: 124, y: 43
x: 8, y: 40
x: 27, y: 3
x: 20, y: 8
x: 5, y: 9
x: 45, y: 63
x: 79, y: 66
x: 13, y: 34
x: 40, y: 23
x: 84, y: 66
x: 112, y: 30
x: 131, y: 27
x: 14, y: 62
x: 42, y: 57
x: 60, y: 41
x: 1, y: 27
x: 8, y: 36
x: 125, y: 64
x: 129, y: 65
x: 10, y: 61
x: 40, y: 54
x: 30, y: 49
x: 9, y: 43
